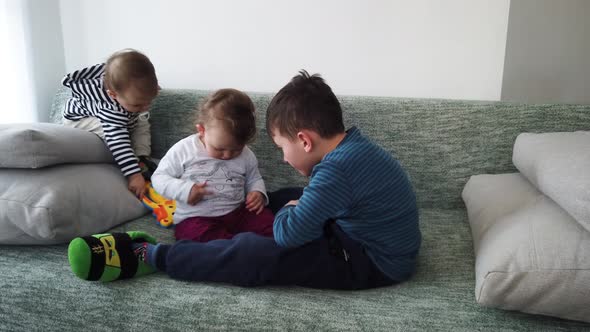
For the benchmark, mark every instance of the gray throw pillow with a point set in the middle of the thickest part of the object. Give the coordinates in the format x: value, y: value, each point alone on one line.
x: 530, y: 254
x: 55, y: 204
x: 558, y: 164
x: 36, y: 145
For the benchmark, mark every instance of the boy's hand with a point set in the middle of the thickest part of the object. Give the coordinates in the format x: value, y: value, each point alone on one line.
x: 197, y: 193
x: 293, y: 202
x: 255, y: 202
x: 136, y: 185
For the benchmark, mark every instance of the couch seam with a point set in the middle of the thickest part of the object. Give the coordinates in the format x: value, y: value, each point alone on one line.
x: 483, y: 284
x: 529, y: 311
x: 20, y: 202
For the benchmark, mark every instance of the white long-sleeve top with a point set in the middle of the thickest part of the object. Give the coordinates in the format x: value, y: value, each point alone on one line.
x: 90, y: 99
x: 187, y: 163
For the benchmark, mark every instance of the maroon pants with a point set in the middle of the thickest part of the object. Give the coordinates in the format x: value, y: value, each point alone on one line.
x: 240, y: 220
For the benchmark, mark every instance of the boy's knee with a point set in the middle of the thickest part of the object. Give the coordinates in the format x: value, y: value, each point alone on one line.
x: 255, y: 244
x: 278, y: 199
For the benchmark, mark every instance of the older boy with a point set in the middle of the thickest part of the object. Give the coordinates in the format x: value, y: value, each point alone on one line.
x: 355, y: 226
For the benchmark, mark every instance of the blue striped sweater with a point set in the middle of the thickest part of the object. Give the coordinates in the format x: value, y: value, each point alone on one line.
x: 90, y: 99
x: 367, y: 192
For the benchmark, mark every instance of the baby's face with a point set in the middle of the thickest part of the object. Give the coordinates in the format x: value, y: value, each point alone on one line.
x: 218, y: 142
x: 133, y: 100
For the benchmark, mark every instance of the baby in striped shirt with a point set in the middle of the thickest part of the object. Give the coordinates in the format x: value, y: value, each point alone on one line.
x: 112, y: 100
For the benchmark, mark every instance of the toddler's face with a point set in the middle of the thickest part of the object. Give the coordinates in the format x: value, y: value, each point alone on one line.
x: 133, y: 100
x: 218, y: 142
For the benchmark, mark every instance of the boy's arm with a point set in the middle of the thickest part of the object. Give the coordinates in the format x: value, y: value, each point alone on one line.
x: 254, y: 181
x: 327, y: 196
x: 166, y: 179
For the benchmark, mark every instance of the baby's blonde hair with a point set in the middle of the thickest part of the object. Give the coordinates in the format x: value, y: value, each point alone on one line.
x: 234, y: 109
x: 127, y: 67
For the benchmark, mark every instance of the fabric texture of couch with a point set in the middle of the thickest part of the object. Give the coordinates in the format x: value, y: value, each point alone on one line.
x: 441, y: 143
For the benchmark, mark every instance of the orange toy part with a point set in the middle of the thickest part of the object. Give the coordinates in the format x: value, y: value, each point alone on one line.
x: 162, y: 208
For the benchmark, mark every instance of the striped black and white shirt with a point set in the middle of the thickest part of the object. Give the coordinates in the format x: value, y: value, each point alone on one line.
x: 363, y: 188
x: 90, y: 99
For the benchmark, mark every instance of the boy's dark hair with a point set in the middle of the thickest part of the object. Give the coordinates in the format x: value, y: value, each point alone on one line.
x: 234, y: 109
x: 306, y: 102
x: 127, y: 66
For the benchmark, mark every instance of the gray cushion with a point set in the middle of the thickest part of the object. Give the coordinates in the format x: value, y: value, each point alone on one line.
x: 531, y: 255
x: 35, y: 145
x: 558, y: 164
x: 55, y: 204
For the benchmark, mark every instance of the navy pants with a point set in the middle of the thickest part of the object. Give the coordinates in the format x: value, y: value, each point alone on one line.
x: 333, y: 261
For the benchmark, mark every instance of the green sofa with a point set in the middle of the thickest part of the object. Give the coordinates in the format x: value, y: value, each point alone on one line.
x: 441, y: 143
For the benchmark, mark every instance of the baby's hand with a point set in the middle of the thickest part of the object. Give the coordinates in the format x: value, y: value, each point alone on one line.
x: 293, y: 202
x: 255, y: 202
x: 197, y: 193
x: 136, y: 184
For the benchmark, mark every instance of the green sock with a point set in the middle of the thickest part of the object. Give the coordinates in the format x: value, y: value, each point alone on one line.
x: 108, y: 257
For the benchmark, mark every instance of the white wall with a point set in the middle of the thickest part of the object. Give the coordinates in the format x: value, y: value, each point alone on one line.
x: 17, y: 95
x: 32, y: 60
x: 420, y: 48
x: 48, y: 60
x: 548, y: 52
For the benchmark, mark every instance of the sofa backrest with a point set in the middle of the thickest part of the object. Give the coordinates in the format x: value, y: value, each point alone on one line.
x: 441, y: 143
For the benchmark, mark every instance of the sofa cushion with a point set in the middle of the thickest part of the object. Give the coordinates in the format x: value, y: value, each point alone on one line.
x: 55, y: 204
x: 558, y: 164
x: 531, y: 255
x: 35, y: 145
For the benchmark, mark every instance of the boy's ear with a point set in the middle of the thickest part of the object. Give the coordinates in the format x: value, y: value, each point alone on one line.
x: 306, y: 139
x: 200, y: 129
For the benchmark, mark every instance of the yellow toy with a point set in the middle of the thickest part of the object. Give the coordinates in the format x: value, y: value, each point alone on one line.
x: 162, y: 208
